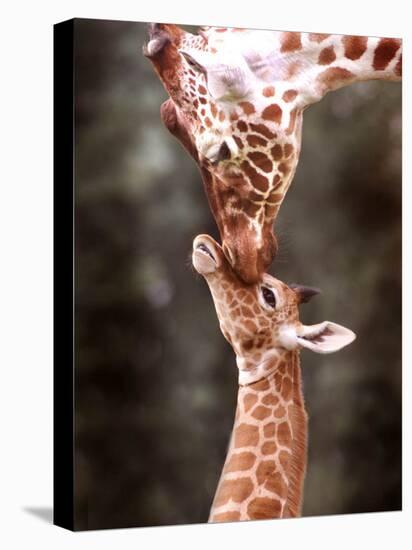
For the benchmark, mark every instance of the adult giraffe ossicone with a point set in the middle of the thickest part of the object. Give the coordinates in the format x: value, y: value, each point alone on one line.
x: 265, y: 466
x: 236, y: 103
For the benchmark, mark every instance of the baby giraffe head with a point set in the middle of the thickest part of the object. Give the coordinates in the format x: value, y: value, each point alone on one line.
x: 261, y: 321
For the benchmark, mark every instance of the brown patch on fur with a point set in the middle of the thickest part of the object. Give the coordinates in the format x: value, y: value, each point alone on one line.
x: 269, y: 448
x: 222, y: 116
x: 225, y: 516
x: 332, y: 77
x: 272, y: 112
x: 236, y: 489
x: 280, y: 412
x: 284, y: 168
x: 276, y: 152
x: 249, y: 400
x: 317, y: 37
x: 257, y: 180
x: 240, y: 462
x: 276, y: 485
x: 284, y: 457
x: 251, y: 209
x: 286, y: 388
x: 270, y: 399
x: 248, y: 108
x: 269, y: 430
x: 246, y: 435
x: 289, y: 95
x: 261, y: 385
x: 248, y: 324
x: 202, y: 90
x: 208, y: 122
x: 213, y: 110
x: 242, y: 126
x: 355, y: 46
x: 385, y: 52
x: 262, y: 129
x: 284, y: 435
x: 255, y: 141
x: 277, y: 180
x: 260, y: 413
x: 268, y: 91
x: 327, y: 56
x: 291, y: 42
x: 261, y: 161
x: 264, y: 508
x: 264, y: 470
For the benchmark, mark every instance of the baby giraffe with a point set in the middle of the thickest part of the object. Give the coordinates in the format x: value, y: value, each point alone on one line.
x: 265, y: 465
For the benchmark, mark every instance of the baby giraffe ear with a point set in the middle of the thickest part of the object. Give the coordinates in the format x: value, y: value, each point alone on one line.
x: 305, y: 293
x: 324, y: 337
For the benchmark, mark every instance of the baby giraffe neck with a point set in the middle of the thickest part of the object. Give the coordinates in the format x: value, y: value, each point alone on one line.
x: 265, y: 466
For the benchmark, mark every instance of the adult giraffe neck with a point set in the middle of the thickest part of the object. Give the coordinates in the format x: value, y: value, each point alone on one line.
x: 263, y: 474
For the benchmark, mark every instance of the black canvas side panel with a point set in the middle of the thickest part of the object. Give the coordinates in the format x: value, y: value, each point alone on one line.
x: 63, y: 275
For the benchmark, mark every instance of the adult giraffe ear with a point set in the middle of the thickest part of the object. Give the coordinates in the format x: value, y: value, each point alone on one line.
x: 305, y: 293
x: 324, y: 337
x: 225, y: 77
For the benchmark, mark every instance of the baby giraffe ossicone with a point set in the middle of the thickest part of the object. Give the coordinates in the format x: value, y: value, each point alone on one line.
x: 264, y: 471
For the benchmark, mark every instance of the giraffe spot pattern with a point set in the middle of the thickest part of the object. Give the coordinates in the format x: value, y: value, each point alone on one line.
x: 273, y: 113
x: 276, y: 152
x: 327, y: 56
x: 261, y: 412
x: 289, y: 95
x: 318, y: 37
x: 246, y: 435
x: 385, y: 52
x: 270, y: 399
x: 284, y: 435
x: 261, y: 161
x: 256, y: 141
x: 248, y: 108
x: 269, y: 430
x: 268, y: 91
x: 237, y: 490
x: 226, y: 516
x: 269, y: 448
x: 280, y: 412
x: 263, y: 130
x: 355, y: 46
x: 240, y: 462
x: 291, y: 42
x: 249, y: 400
x: 257, y: 180
x: 263, y: 508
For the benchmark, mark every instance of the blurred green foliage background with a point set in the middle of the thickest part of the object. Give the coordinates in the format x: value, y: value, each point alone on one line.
x: 155, y: 380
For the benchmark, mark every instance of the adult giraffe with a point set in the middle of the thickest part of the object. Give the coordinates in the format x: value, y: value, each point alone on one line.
x: 265, y: 466
x: 236, y: 103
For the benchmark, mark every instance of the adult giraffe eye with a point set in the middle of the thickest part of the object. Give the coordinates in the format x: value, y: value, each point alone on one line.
x: 269, y: 296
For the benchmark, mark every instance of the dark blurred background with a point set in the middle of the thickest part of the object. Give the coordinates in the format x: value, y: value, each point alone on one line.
x: 155, y: 380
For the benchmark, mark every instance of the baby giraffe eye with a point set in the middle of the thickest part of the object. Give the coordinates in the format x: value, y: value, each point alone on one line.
x: 269, y: 296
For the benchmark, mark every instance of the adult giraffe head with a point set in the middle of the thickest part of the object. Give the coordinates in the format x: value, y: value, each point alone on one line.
x: 236, y: 103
